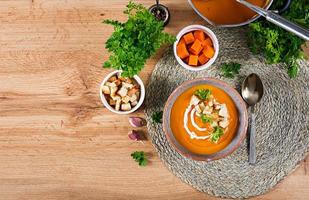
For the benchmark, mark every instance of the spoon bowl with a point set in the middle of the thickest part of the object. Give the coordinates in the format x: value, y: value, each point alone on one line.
x: 252, y: 91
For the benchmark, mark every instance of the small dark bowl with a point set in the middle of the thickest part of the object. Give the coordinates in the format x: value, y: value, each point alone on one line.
x: 242, y: 115
x: 163, y: 13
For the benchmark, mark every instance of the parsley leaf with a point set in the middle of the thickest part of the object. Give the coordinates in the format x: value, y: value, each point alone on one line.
x: 140, y: 157
x: 293, y: 69
x: 203, y: 93
x: 276, y: 44
x: 229, y: 70
x: 215, y: 136
x: 157, y: 117
x: 135, y: 40
x: 205, y: 118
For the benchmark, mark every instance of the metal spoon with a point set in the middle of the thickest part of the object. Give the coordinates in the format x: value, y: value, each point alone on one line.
x: 252, y: 92
x: 278, y: 20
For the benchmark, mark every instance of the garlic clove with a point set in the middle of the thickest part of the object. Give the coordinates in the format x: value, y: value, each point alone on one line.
x: 133, y: 135
x: 137, y: 121
x: 136, y: 135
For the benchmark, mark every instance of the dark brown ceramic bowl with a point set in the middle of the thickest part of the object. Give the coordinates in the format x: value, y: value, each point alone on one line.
x: 242, y: 115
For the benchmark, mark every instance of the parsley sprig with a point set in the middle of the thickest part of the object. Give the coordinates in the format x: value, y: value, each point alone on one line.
x: 276, y: 44
x: 134, y: 41
x: 229, y: 70
x: 203, y: 93
x: 215, y: 136
x: 206, y: 118
x: 157, y: 117
x: 140, y: 157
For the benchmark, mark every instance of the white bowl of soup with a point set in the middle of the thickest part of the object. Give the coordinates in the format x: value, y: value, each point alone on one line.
x: 205, y: 119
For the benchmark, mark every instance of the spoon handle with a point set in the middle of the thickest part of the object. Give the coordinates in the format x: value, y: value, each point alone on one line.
x: 252, y: 151
x: 288, y: 25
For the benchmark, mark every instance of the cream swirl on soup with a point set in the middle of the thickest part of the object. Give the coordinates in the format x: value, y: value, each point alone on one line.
x: 203, y: 107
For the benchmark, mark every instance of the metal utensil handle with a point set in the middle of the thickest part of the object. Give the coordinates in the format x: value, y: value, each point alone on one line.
x: 252, y: 150
x: 288, y: 25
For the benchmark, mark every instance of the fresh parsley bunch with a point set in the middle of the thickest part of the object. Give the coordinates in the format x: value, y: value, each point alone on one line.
x: 157, y: 117
x: 206, y: 118
x: 203, y: 93
x: 276, y: 44
x: 134, y: 41
x: 230, y: 69
x: 215, y: 136
x: 140, y: 157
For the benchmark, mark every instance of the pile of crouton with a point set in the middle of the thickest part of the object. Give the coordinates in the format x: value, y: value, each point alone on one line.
x: 218, y: 112
x: 122, y: 93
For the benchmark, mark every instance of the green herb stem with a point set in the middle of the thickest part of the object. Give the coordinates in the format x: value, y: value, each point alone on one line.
x: 229, y: 70
x: 140, y: 157
x: 276, y: 44
x: 134, y: 41
x: 157, y: 117
x: 215, y: 136
x: 203, y: 93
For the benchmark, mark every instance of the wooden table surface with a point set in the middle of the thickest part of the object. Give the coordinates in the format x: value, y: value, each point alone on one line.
x: 57, y: 141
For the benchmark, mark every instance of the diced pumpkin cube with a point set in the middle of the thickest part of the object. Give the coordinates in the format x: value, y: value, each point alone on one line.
x: 182, y: 41
x: 189, y: 38
x: 186, y: 60
x: 199, y: 35
x: 203, y: 59
x: 207, y: 41
x: 196, y: 47
x: 193, y: 60
x: 182, y: 51
x: 209, y: 51
x: 189, y: 46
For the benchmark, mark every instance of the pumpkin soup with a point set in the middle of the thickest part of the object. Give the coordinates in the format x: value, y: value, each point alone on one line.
x: 204, y: 119
x: 227, y: 11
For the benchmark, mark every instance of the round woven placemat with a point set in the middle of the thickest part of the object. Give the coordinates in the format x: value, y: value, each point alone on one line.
x: 282, y: 122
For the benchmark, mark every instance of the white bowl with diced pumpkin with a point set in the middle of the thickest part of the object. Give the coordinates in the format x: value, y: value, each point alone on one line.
x: 122, y: 95
x: 196, y: 47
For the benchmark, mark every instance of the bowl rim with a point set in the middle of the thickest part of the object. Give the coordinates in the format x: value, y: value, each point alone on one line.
x: 212, y: 36
x: 242, y: 114
x: 110, y: 108
x: 228, y: 25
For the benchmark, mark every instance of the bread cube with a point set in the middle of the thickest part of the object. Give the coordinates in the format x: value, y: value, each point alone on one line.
x: 123, y: 91
x: 105, y: 89
x: 126, y: 106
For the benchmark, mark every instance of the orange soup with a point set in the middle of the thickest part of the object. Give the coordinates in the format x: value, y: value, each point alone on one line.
x: 226, y: 11
x: 199, y: 114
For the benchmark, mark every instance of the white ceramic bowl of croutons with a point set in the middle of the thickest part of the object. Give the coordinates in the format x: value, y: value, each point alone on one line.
x: 122, y: 95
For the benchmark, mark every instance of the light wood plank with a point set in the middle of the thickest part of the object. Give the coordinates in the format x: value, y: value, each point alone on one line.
x: 56, y: 139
